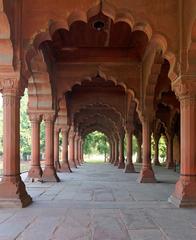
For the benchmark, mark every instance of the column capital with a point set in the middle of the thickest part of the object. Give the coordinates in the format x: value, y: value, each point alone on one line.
x: 10, y: 84
x: 49, y: 117
x: 65, y: 128
x: 34, y: 117
x: 129, y: 129
x: 56, y: 128
x: 156, y: 136
x: 185, y: 87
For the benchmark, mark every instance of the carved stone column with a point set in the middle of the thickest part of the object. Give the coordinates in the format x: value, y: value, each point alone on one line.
x: 139, y: 149
x: 116, y: 149
x: 65, y: 167
x: 82, y: 154
x: 146, y: 173
x: 12, y: 189
x: 56, y: 149
x: 156, y: 151
x: 80, y: 151
x: 71, y: 148
x: 170, y: 160
x: 111, y: 152
x: 49, y: 173
x: 185, y: 190
x: 76, y: 147
x: 35, y: 171
x: 121, y: 164
x: 129, y: 168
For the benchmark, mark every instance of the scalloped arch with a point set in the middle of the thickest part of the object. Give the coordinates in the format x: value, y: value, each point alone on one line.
x: 96, y: 128
x: 6, y: 47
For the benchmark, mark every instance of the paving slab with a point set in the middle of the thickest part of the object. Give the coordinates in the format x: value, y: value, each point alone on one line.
x: 100, y: 202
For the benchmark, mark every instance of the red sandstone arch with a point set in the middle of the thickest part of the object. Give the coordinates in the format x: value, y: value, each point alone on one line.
x: 6, y: 48
x: 108, y: 108
x: 82, y: 126
x: 117, y: 16
x: 97, y: 118
x: 39, y: 84
x: 192, y: 49
x: 98, y: 128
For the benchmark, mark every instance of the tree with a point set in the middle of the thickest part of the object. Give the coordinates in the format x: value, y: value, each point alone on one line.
x: 25, y: 127
x: 96, y: 142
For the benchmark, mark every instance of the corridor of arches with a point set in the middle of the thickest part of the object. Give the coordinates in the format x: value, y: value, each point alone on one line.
x: 104, y: 66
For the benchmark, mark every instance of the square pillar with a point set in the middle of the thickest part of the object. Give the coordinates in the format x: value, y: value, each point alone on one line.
x: 121, y: 164
x: 146, y: 174
x: 185, y: 189
x: 116, y: 152
x: 72, y: 148
x: 65, y: 167
x: 156, y: 150
x: 56, y: 149
x: 170, y: 160
x: 129, y: 167
x: 35, y: 171
x: 12, y: 189
x: 49, y: 173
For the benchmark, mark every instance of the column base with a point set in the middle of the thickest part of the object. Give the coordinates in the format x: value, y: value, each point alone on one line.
x: 65, y: 167
x: 129, y: 168
x: 121, y: 165
x: 13, y: 193
x: 35, y: 172
x: 57, y: 166
x: 77, y: 162
x: 157, y: 163
x: 146, y: 176
x: 170, y: 165
x: 49, y: 175
x: 72, y: 164
x: 185, y: 194
x: 116, y: 163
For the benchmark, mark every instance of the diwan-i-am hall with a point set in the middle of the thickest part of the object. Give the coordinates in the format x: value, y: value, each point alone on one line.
x: 112, y: 78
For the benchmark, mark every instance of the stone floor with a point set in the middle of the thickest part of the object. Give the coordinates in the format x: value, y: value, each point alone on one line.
x: 100, y: 202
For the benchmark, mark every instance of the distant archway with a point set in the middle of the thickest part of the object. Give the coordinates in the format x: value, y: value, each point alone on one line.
x: 96, y: 147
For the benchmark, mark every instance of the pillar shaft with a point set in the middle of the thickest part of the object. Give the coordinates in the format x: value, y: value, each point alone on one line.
x: 156, y: 151
x: 79, y: 151
x: 82, y: 153
x: 76, y: 155
x: 12, y: 188
x: 71, y: 151
x: 56, y: 149
x: 139, y: 150
x: 116, y: 152
x: 170, y: 161
x: 146, y: 173
x: 111, y: 152
x: 65, y: 167
x: 49, y: 173
x: 35, y: 171
x: 185, y: 194
x: 121, y: 164
x: 129, y: 168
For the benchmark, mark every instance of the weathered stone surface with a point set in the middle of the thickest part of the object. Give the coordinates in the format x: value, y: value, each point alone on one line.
x: 135, y: 211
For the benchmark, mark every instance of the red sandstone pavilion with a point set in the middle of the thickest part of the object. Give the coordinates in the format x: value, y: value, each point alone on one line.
x: 120, y: 67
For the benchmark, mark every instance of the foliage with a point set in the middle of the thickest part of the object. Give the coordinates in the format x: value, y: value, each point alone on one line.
x: 25, y: 127
x: 134, y: 145
x: 162, y: 148
x: 96, y: 142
